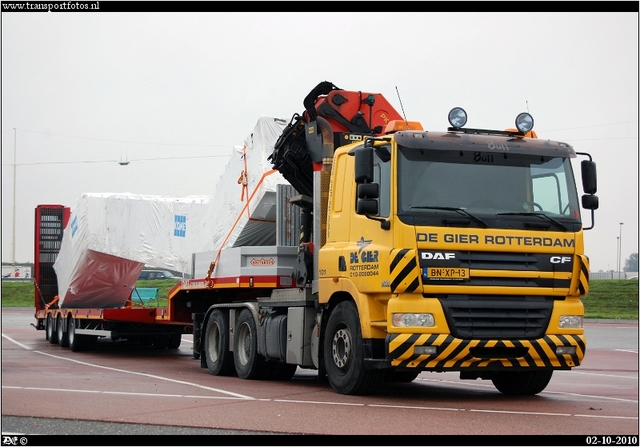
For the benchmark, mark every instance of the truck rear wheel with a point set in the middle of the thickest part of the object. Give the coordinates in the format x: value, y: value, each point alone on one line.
x: 63, y: 337
x: 249, y: 364
x: 344, y: 353
x: 216, y: 345
x: 521, y: 383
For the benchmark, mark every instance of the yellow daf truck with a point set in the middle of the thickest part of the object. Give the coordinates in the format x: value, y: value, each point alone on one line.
x: 418, y: 251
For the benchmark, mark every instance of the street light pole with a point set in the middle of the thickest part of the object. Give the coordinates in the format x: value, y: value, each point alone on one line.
x: 617, y: 256
x: 13, y: 243
x: 620, y: 252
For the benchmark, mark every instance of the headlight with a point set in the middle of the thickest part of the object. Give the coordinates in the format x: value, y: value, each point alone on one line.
x: 571, y: 321
x: 524, y: 122
x: 413, y: 320
x: 457, y: 117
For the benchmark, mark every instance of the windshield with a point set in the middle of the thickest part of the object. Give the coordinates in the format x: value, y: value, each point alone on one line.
x: 486, y: 185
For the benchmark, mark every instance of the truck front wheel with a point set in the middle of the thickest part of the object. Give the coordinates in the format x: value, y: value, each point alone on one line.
x: 344, y: 353
x: 521, y: 383
x: 216, y: 345
x: 249, y: 363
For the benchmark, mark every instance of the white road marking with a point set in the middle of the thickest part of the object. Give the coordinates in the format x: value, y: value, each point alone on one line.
x: 473, y: 384
x: 241, y: 397
x: 153, y: 376
x: 120, y: 393
x: 17, y: 343
x: 182, y: 382
x: 635, y: 377
x: 343, y: 404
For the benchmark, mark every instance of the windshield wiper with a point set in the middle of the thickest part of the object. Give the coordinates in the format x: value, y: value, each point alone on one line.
x: 458, y: 210
x: 558, y: 224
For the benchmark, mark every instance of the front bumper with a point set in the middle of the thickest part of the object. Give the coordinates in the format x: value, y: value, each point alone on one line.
x: 454, y: 354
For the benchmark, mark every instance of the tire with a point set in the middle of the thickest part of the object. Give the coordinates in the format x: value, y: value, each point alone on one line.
x: 174, y: 341
x: 63, y: 337
x: 157, y: 341
x: 164, y: 341
x: 216, y: 345
x: 344, y: 353
x: 522, y: 383
x: 249, y: 363
x: 282, y: 371
x: 76, y: 342
x: 91, y: 342
x: 50, y: 328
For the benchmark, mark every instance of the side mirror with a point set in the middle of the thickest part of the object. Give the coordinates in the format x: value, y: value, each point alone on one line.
x: 368, y: 194
x: 590, y: 202
x: 364, y: 165
x: 589, y: 177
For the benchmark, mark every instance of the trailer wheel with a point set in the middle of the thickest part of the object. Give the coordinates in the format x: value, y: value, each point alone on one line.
x: 63, y: 337
x: 521, y: 383
x: 216, y: 345
x: 249, y: 363
x: 174, y: 341
x: 344, y: 353
x: 282, y: 371
x: 90, y: 343
x: 52, y: 335
x: 166, y: 341
x: 76, y: 341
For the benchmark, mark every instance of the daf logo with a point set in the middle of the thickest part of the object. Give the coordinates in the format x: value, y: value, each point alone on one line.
x: 560, y: 259
x: 428, y: 255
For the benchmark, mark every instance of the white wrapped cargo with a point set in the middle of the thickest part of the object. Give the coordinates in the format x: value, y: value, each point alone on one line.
x: 110, y: 237
x: 242, y: 211
x: 243, y: 208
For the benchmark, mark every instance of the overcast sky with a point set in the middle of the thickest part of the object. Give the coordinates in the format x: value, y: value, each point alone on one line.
x: 173, y: 92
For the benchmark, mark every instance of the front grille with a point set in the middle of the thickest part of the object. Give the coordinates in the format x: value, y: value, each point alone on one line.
x: 482, y: 317
x: 526, y: 263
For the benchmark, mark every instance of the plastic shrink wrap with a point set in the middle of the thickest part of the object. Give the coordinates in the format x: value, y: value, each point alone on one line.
x: 243, y: 208
x: 111, y: 237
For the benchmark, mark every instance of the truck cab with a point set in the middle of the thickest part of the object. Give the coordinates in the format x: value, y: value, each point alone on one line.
x: 459, y: 251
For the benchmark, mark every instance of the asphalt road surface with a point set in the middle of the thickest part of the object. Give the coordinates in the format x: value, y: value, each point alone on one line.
x: 132, y: 390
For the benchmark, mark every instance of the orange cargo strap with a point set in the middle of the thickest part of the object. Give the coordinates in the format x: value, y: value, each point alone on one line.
x: 52, y: 302
x: 242, y: 180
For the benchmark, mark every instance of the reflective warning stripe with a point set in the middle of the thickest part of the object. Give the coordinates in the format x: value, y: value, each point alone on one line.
x: 404, y: 271
x: 454, y: 354
x: 584, y: 274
